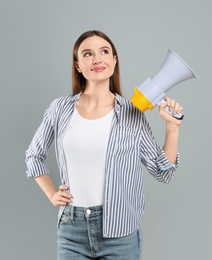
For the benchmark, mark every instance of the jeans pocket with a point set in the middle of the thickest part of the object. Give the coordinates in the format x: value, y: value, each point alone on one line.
x: 67, y: 216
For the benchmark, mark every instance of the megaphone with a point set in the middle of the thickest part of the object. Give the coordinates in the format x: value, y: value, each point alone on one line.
x: 152, y: 91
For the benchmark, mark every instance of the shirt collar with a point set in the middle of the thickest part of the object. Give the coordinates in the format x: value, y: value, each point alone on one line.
x: 76, y: 96
x: 119, y: 99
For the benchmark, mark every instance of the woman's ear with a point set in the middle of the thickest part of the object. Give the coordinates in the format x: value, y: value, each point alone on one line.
x: 77, y: 67
x: 115, y: 59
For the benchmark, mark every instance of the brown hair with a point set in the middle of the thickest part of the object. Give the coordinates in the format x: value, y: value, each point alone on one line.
x: 78, y: 80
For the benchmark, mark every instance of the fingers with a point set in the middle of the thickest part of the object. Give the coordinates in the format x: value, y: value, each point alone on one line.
x: 64, y: 200
x: 173, y: 106
x: 61, y: 198
x: 64, y: 197
x: 63, y: 187
x: 176, y: 107
x: 167, y: 100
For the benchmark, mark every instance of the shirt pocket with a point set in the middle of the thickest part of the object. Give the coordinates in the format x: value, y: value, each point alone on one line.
x: 126, y: 141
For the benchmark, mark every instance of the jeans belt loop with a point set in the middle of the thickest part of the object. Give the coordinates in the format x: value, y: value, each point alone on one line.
x: 71, y: 215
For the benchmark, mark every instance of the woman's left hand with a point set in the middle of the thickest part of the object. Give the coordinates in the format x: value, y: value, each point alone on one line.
x: 175, y: 106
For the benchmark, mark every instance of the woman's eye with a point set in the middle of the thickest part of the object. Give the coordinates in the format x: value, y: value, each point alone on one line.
x: 87, y: 54
x: 105, y: 52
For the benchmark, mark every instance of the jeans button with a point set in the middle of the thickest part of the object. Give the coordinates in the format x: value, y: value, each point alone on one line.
x: 88, y: 211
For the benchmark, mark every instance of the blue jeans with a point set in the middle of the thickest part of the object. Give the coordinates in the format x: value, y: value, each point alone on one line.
x: 79, y: 236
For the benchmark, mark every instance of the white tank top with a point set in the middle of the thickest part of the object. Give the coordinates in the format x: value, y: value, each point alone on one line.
x: 85, y: 145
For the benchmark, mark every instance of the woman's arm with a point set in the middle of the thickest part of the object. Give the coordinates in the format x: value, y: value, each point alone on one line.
x: 172, y: 129
x: 57, y: 198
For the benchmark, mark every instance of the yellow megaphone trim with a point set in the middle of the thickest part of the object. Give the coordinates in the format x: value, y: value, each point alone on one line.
x: 140, y: 101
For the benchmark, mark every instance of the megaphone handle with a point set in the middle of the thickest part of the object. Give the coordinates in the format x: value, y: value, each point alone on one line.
x: 178, y: 115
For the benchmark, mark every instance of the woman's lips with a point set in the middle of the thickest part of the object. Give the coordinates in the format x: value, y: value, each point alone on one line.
x: 98, y: 69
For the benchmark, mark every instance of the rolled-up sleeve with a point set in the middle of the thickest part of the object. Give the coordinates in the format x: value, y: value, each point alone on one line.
x: 154, y: 157
x: 36, y: 154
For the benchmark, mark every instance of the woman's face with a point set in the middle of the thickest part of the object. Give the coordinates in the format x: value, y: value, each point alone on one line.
x: 95, y: 59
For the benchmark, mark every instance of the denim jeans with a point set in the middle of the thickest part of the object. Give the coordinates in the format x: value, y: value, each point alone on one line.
x: 79, y: 236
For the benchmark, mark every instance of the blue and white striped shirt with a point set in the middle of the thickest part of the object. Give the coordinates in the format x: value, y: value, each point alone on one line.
x: 130, y: 144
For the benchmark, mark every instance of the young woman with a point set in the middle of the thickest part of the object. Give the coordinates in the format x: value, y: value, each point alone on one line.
x: 101, y: 139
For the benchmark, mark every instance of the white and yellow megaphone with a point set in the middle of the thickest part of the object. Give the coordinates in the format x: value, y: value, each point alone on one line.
x: 152, y: 91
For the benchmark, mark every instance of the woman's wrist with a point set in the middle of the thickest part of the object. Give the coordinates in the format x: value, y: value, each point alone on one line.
x: 51, y: 194
x: 172, y: 127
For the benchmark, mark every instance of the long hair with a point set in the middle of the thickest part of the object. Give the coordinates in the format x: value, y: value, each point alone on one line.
x: 79, y: 81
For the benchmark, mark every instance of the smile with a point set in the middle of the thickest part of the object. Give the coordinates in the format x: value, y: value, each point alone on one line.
x: 98, y: 69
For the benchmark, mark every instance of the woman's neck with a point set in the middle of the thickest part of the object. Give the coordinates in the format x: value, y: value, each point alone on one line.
x: 97, y: 94
x: 96, y: 101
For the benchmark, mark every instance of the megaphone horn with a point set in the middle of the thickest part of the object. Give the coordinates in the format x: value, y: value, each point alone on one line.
x: 152, y: 91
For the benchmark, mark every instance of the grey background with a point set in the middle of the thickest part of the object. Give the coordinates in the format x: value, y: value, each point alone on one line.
x: 37, y: 38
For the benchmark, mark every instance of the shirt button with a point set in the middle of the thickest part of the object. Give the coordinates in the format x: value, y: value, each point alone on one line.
x: 88, y: 211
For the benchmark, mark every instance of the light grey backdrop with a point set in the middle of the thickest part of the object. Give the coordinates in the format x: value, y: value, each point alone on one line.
x: 37, y: 38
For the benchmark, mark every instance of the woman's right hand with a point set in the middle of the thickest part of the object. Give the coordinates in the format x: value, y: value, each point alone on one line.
x: 61, y: 198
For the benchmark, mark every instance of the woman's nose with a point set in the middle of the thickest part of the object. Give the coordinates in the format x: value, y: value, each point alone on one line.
x: 95, y: 62
x: 96, y: 59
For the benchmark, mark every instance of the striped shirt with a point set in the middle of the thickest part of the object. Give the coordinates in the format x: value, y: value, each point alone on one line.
x: 130, y: 145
